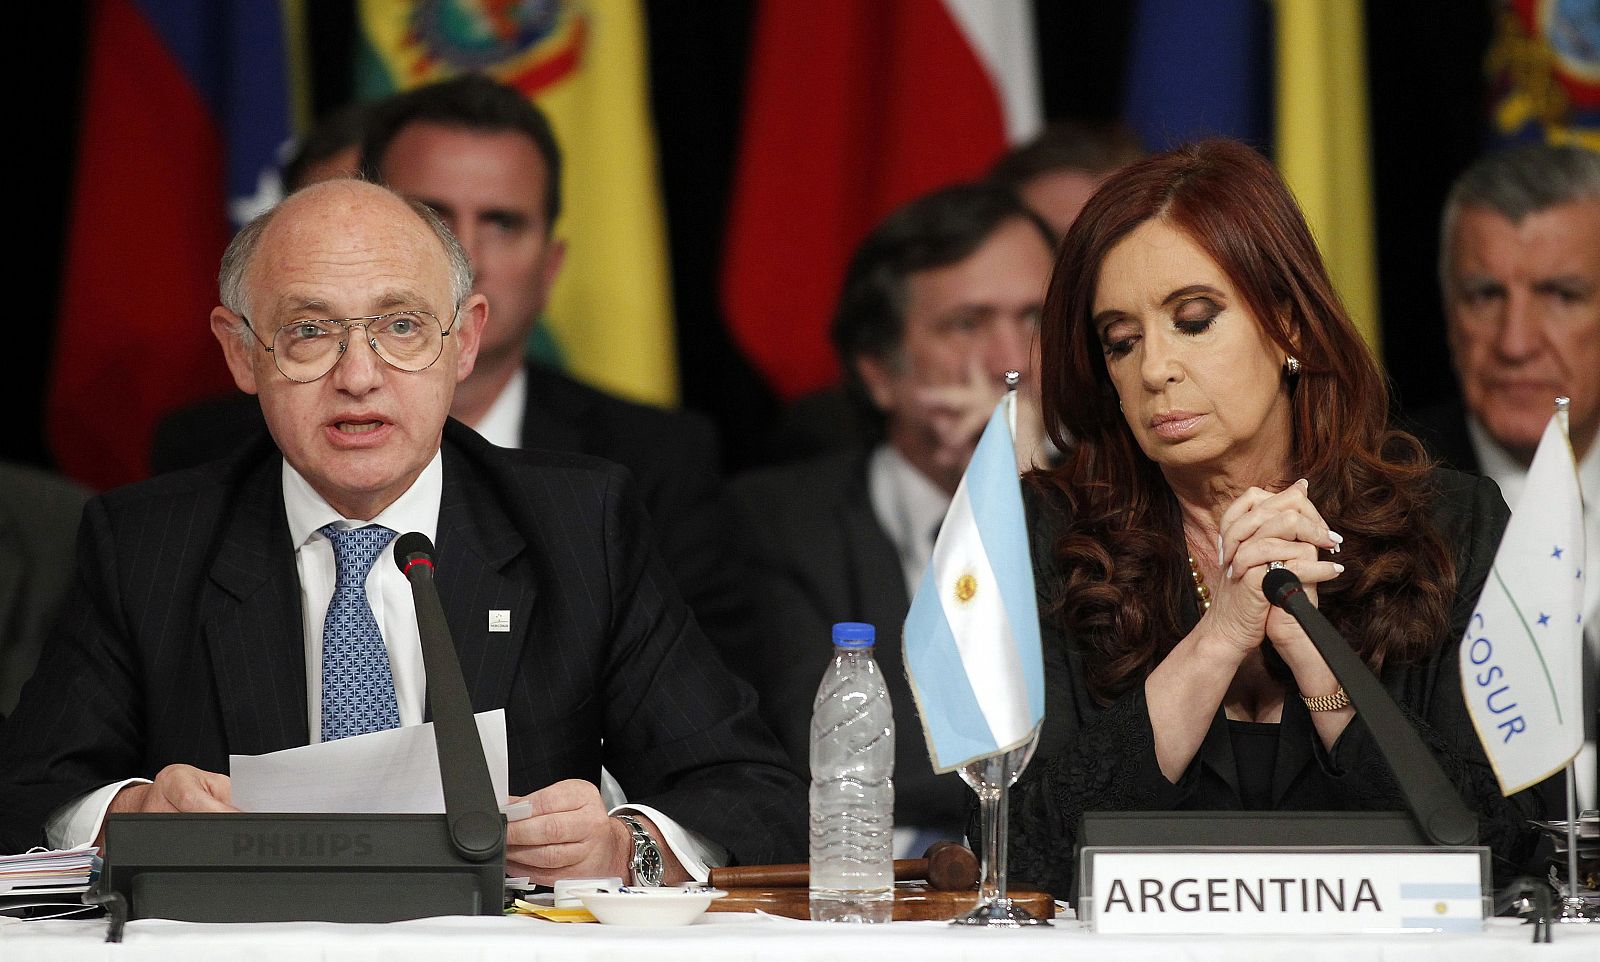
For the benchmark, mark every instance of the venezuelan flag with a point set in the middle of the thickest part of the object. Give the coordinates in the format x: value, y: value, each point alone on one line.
x: 187, y: 105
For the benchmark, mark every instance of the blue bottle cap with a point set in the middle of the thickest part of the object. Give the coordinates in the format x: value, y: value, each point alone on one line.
x: 853, y: 634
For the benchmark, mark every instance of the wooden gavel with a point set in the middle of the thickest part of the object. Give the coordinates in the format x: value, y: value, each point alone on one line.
x: 946, y: 866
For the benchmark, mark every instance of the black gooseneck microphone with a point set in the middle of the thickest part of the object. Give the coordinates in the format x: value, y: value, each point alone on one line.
x: 477, y: 829
x: 1432, y: 799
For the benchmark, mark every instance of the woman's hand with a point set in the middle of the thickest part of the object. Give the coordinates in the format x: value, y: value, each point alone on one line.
x: 1260, y: 528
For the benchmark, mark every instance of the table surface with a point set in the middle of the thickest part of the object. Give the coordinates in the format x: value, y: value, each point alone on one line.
x: 745, y: 938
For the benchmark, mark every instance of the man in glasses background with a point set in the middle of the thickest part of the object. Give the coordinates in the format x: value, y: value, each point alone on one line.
x: 253, y: 605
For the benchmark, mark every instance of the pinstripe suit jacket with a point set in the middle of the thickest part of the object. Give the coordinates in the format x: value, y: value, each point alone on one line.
x: 184, y: 644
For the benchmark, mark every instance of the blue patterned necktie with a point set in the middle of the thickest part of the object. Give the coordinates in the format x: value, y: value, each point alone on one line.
x: 357, y: 686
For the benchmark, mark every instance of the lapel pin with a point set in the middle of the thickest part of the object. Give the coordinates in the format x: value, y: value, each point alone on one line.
x: 499, y: 620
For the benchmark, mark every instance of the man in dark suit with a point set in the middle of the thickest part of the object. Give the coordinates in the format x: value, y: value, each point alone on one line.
x: 486, y: 160
x: 938, y: 303
x: 253, y: 604
x: 1519, y: 269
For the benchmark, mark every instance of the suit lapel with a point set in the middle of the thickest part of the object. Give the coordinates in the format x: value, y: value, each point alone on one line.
x: 476, y: 545
x: 252, y: 622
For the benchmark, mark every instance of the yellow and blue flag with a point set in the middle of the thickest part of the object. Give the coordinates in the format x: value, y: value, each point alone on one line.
x: 972, y: 635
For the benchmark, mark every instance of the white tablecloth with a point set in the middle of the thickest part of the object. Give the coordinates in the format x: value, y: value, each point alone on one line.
x: 745, y: 938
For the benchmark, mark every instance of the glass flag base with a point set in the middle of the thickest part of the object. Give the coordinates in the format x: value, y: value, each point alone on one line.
x: 991, y: 778
x: 999, y: 913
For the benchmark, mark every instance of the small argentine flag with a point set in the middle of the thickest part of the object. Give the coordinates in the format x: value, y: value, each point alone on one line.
x: 972, y: 635
x: 1521, y: 657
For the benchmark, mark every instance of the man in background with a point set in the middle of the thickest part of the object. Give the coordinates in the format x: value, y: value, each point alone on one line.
x: 938, y: 303
x: 1519, y: 268
x: 486, y: 160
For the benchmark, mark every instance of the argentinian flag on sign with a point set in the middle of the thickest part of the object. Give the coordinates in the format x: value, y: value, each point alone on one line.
x: 972, y: 635
x: 1521, y: 657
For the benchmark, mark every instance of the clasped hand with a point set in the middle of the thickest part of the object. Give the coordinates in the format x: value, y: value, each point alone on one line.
x: 1259, y: 528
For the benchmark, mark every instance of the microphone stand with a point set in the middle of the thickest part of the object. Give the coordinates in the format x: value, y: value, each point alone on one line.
x: 477, y: 829
x: 1432, y: 799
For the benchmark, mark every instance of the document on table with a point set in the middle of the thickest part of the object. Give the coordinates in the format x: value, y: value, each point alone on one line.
x: 394, y: 771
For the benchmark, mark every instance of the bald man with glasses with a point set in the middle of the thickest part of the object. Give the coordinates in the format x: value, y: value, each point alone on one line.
x: 253, y: 604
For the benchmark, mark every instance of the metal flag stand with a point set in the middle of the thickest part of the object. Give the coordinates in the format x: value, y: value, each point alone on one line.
x: 992, y: 778
x: 1575, y: 908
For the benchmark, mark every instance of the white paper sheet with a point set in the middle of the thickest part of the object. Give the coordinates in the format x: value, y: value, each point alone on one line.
x: 394, y: 771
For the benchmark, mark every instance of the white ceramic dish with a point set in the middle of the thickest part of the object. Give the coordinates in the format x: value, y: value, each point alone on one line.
x: 640, y: 905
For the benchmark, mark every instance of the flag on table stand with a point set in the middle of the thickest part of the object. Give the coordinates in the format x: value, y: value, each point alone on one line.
x: 972, y: 634
x: 1521, y: 667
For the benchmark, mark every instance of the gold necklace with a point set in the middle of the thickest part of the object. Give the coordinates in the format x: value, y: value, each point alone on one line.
x: 1200, y: 590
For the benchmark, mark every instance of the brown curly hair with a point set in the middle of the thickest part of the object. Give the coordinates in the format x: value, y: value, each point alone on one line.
x: 1122, y: 549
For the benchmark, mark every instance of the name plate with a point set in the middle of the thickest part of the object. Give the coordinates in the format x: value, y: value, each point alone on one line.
x: 1299, y: 890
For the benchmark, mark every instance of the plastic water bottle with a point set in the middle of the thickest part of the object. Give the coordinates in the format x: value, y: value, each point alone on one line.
x: 852, y: 785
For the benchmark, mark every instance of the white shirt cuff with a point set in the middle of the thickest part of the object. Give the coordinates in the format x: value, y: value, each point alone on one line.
x: 697, y: 853
x: 78, y: 823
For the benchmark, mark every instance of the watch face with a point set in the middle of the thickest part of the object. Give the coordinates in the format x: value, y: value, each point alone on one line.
x: 648, y: 865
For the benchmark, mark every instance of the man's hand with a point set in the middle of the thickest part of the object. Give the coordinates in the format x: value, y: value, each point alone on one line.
x: 177, y: 788
x: 569, y: 835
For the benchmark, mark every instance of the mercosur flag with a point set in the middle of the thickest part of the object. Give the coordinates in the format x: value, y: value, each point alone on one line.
x: 1521, y: 667
x: 972, y: 634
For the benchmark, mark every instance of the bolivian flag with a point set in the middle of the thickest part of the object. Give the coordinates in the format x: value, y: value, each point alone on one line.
x: 610, y: 315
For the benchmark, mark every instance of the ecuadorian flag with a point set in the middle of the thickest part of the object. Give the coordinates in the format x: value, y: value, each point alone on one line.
x: 972, y: 635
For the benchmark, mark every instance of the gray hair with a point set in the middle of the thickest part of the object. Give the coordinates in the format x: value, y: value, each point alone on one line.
x: 241, y: 250
x: 1515, y: 183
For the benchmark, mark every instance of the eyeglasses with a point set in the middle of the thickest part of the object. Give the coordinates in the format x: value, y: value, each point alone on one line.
x: 308, y: 349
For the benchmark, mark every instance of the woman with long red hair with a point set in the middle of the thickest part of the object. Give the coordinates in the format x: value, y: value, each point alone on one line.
x: 1225, y: 418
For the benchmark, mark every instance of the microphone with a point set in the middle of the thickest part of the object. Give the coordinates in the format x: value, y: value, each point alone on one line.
x: 477, y: 829
x: 1433, y: 800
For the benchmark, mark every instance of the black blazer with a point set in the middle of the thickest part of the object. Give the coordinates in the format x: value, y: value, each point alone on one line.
x: 818, y: 557
x: 673, y: 455
x: 185, y: 644
x: 1102, y: 758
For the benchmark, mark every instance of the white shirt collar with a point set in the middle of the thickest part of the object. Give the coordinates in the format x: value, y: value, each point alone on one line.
x: 417, y: 509
x: 909, y: 507
x: 1495, y: 462
x: 502, y: 423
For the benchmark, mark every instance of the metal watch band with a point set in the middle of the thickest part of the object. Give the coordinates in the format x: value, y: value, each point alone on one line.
x: 1331, y: 702
x: 645, y: 865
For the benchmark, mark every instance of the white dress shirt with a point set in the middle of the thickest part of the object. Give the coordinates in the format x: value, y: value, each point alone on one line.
x: 909, y: 507
x: 389, y: 594
x: 502, y: 423
x: 1512, y: 478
